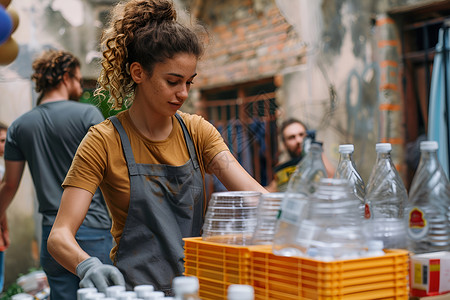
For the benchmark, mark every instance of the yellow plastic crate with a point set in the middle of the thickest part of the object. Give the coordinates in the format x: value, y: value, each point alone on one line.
x: 216, y: 266
x: 277, y: 277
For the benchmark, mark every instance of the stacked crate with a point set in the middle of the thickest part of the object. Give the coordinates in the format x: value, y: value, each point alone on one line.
x: 277, y: 277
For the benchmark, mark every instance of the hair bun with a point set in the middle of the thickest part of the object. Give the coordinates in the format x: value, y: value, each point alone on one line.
x: 164, y: 11
x: 153, y: 11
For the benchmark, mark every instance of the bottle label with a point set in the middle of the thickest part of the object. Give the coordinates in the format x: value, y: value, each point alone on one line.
x: 417, y: 224
x: 292, y: 210
x: 366, y: 211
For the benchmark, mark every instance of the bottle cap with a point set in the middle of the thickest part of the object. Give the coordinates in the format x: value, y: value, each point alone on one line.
x: 347, y: 148
x: 114, y: 290
x: 143, y: 288
x: 127, y: 295
x: 94, y: 296
x: 383, y: 147
x: 185, y: 285
x: 240, y: 291
x: 429, y: 145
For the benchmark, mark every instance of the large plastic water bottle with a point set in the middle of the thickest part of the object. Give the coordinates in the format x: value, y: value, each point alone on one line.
x: 427, y: 211
x: 302, y: 184
x: 328, y: 227
x: 308, y: 172
x: 385, y: 201
x: 346, y: 169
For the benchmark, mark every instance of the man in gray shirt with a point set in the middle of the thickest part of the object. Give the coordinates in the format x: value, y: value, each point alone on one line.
x: 47, y: 138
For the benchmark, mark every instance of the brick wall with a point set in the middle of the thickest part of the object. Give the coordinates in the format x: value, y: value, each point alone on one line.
x: 248, y: 40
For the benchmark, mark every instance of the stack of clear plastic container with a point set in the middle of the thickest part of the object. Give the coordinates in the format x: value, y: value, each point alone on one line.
x: 268, y: 210
x: 231, y: 217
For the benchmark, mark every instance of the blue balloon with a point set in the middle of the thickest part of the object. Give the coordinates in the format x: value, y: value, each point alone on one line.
x: 6, y: 25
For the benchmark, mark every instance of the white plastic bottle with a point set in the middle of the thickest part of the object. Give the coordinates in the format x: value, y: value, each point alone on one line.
x: 186, y: 288
x: 427, y: 211
x: 240, y: 292
x: 346, y: 169
x: 385, y: 201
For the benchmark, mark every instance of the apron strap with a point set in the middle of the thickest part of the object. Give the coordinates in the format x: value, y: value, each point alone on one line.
x: 126, y: 146
x: 189, y: 142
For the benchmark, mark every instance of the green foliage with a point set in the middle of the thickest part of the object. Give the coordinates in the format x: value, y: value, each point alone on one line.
x: 13, y: 289
x: 102, y: 104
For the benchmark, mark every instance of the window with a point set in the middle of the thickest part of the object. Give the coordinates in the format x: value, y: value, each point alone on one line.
x: 245, y: 115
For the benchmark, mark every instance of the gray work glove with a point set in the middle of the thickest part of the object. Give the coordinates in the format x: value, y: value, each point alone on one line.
x: 93, y: 273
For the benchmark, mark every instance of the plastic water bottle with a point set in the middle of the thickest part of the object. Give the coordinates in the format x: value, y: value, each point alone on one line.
x: 385, y: 201
x: 328, y: 226
x: 240, y: 292
x: 427, y: 211
x: 186, y: 288
x: 346, y: 169
x: 309, y: 171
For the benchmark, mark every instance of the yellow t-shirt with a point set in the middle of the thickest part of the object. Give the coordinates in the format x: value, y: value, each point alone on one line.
x: 99, y: 160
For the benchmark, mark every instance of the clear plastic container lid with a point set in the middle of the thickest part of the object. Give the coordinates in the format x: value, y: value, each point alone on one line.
x: 240, y: 292
x: 429, y: 145
x: 185, y: 285
x: 346, y: 148
x: 383, y: 147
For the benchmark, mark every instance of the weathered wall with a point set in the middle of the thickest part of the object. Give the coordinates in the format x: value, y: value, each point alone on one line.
x: 249, y: 40
x: 338, y: 74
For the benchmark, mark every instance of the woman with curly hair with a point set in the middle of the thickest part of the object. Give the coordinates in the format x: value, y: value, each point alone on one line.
x: 150, y: 160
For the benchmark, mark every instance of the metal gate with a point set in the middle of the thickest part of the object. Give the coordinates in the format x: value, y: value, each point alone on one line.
x: 245, y: 116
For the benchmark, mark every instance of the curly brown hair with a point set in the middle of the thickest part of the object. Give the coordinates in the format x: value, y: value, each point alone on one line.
x: 142, y: 31
x: 49, y: 69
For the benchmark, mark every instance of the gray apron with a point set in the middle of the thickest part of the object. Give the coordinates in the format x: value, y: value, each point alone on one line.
x: 166, y: 205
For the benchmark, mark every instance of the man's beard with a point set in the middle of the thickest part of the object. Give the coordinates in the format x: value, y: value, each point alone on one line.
x: 296, y: 153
